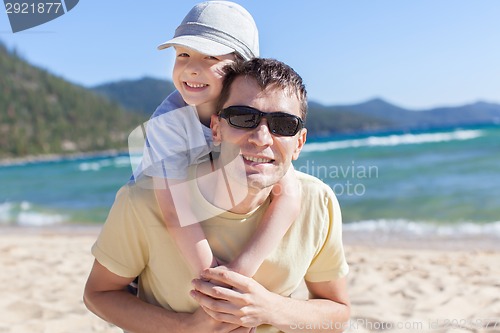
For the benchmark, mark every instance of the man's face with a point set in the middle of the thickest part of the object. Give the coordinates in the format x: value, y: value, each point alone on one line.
x: 266, y: 157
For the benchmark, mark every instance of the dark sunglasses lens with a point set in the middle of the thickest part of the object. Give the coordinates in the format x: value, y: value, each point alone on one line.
x: 246, y: 117
x: 284, y: 125
x: 244, y: 120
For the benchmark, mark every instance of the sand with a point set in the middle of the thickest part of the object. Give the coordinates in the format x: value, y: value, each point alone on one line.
x: 42, y: 275
x: 395, y: 286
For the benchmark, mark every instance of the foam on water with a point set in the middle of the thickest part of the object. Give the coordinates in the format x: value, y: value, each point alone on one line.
x: 5, y: 211
x: 34, y: 219
x: 25, y: 214
x: 116, y: 162
x: 393, y: 140
x: 425, y: 228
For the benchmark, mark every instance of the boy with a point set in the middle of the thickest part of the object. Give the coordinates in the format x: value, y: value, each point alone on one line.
x: 212, y: 34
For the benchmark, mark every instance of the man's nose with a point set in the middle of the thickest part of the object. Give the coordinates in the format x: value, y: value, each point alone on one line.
x: 261, y: 135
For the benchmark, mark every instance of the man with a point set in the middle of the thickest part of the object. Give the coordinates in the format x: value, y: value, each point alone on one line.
x: 262, y: 105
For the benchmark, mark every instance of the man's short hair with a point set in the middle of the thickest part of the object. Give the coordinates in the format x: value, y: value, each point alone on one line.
x: 266, y: 72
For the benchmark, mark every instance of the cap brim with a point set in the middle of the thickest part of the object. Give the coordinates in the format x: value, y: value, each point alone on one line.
x: 198, y: 44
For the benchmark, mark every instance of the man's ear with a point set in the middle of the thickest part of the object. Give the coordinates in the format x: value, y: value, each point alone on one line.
x: 301, y: 140
x: 215, y: 127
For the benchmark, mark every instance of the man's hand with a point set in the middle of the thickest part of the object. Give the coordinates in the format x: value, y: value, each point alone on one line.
x: 201, y: 322
x: 247, y: 304
x: 105, y: 295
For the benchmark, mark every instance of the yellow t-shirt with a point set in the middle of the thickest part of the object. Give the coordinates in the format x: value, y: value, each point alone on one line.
x: 134, y: 241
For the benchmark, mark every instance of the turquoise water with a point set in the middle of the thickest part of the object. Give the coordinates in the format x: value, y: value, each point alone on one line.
x: 448, y: 179
x: 64, y: 191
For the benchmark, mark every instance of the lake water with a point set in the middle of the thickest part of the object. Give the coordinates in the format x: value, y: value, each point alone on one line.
x: 445, y: 181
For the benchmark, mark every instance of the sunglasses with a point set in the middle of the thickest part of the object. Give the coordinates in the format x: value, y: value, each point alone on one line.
x: 279, y: 123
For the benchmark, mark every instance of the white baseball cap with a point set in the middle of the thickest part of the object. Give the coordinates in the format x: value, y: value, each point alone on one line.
x: 216, y: 28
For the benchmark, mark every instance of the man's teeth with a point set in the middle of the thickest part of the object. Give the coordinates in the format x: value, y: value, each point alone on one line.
x: 196, y: 85
x: 257, y: 160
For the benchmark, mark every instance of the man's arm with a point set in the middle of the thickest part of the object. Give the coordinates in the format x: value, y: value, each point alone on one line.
x: 250, y: 304
x: 105, y: 294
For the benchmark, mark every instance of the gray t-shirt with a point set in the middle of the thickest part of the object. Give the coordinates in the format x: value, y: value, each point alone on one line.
x: 173, y: 139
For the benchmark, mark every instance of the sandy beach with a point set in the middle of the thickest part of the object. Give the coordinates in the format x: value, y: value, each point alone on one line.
x: 398, y: 285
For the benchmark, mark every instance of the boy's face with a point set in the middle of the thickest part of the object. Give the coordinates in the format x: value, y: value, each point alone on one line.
x: 198, y: 77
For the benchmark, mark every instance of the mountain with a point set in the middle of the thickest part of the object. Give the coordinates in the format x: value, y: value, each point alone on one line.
x: 375, y: 115
x: 479, y: 113
x: 397, y: 118
x: 142, y: 95
x: 380, y: 109
x: 44, y: 114
x: 327, y: 120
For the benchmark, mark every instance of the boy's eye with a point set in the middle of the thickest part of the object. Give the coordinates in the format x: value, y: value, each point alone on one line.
x: 183, y: 55
x: 212, y: 58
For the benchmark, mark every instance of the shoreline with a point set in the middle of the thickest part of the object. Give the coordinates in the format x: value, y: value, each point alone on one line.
x: 366, y: 239
x: 452, y: 243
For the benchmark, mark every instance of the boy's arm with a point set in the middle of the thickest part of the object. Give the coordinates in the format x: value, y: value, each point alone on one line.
x: 187, y: 234
x: 282, y: 212
x: 105, y: 294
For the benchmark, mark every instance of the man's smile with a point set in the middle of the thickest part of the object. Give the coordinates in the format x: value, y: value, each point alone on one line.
x: 256, y: 159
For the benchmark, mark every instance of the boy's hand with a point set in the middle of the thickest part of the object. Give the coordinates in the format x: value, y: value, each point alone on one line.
x: 221, y: 265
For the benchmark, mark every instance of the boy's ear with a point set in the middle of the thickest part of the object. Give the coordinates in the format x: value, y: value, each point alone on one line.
x: 301, y: 140
x: 214, y: 126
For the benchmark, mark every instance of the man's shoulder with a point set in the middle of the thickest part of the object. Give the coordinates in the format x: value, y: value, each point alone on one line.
x: 316, y: 194
x: 311, y: 184
x: 137, y: 203
x: 138, y: 192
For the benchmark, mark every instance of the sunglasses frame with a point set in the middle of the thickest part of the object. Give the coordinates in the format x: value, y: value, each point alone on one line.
x: 226, y: 114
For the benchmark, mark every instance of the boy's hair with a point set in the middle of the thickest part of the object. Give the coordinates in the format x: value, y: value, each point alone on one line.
x: 266, y: 72
x: 216, y: 28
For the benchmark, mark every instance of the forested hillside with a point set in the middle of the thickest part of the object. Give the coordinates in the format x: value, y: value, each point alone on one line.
x: 142, y: 95
x: 42, y: 114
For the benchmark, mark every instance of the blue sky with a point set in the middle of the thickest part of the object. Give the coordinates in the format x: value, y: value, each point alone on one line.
x: 416, y: 54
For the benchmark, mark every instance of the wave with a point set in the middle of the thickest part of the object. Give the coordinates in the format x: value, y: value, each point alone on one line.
x: 25, y: 214
x: 393, y: 140
x: 415, y: 228
x: 116, y: 162
x: 54, y: 158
